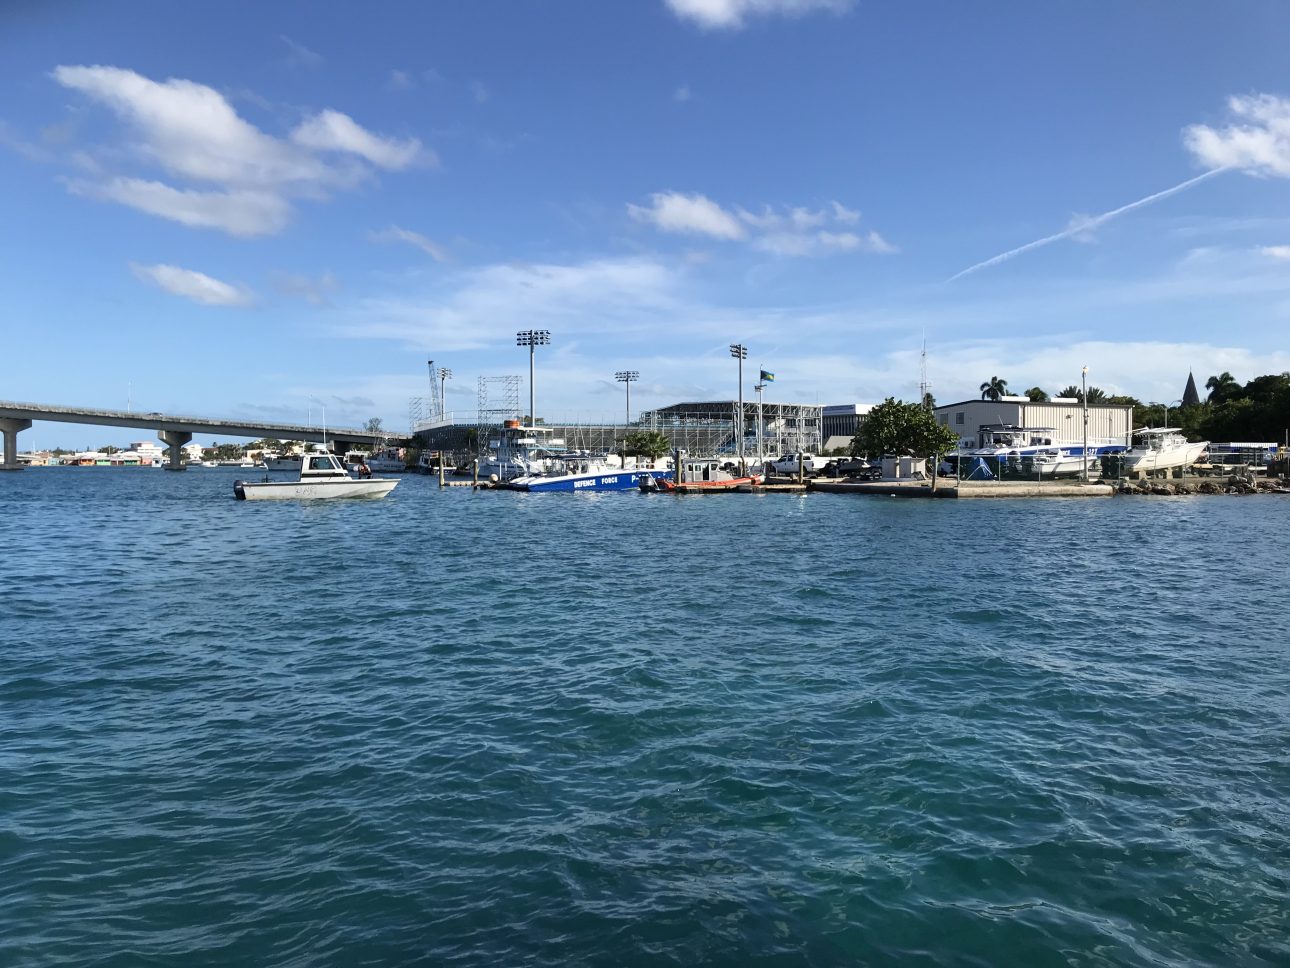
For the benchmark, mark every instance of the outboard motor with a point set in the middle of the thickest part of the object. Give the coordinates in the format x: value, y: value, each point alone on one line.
x: 239, y: 491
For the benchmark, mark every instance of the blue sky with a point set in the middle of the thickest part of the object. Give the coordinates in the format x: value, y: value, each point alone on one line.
x: 231, y: 208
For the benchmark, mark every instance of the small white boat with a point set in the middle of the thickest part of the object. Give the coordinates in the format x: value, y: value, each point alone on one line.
x: 322, y: 476
x: 388, y: 460
x: 1162, y: 448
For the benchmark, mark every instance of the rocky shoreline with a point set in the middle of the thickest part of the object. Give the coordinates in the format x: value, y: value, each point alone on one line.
x: 1231, y: 485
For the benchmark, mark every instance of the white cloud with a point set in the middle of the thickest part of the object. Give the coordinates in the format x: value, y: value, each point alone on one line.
x: 795, y: 231
x: 1258, y: 143
x: 241, y: 212
x: 479, y: 91
x: 1279, y: 252
x: 733, y: 14
x: 682, y: 93
x: 688, y: 214
x: 191, y: 132
x: 396, y: 234
x: 334, y: 131
x: 400, y: 80
x: 196, y: 286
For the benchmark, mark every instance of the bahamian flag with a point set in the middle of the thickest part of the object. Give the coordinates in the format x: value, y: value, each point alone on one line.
x: 767, y: 376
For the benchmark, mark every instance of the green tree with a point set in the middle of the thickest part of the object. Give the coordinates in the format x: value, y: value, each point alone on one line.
x: 1096, y: 395
x: 896, y: 427
x: 1037, y: 395
x: 994, y: 388
x: 1071, y: 391
x: 647, y: 443
x: 929, y: 401
x: 1222, y: 387
x: 373, y: 426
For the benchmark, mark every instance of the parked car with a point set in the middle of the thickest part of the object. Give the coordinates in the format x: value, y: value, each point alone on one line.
x: 810, y: 464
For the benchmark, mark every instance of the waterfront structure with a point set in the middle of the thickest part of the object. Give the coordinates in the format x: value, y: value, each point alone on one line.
x: 840, y: 423
x: 1110, y: 426
x: 701, y: 427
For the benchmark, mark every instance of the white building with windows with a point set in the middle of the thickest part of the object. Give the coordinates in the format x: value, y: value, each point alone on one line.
x: 1109, y: 425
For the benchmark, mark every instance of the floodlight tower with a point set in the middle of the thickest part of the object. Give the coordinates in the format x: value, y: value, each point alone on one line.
x: 532, y: 338
x: 740, y: 352
x: 626, y: 377
x: 444, y: 375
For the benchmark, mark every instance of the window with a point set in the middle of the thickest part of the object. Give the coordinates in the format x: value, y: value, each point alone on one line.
x: 958, y: 417
x: 319, y: 464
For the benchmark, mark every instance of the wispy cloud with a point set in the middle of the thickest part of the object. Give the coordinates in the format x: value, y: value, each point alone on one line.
x: 682, y: 94
x: 298, y: 55
x: 243, y: 213
x: 196, y: 286
x: 793, y: 231
x: 400, y: 81
x: 480, y: 307
x: 734, y: 14
x: 395, y: 233
x: 333, y: 131
x: 313, y: 290
x: 1082, y: 225
x: 192, y: 133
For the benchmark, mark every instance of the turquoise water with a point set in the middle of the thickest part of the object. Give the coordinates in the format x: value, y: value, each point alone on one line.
x: 495, y: 729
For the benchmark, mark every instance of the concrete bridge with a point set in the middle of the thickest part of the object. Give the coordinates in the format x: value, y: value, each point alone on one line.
x: 173, y: 430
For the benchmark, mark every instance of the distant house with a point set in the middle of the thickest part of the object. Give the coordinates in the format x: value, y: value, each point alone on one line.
x: 1108, y: 424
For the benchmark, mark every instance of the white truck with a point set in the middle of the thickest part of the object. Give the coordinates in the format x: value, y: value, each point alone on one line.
x: 788, y: 464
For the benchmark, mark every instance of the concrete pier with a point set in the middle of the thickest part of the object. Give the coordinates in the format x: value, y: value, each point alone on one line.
x: 11, y: 426
x: 965, y: 489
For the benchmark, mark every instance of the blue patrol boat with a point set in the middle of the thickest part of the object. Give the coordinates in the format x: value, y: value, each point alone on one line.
x: 591, y: 474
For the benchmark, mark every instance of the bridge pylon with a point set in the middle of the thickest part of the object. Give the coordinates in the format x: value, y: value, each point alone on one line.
x: 11, y: 426
x: 174, y: 440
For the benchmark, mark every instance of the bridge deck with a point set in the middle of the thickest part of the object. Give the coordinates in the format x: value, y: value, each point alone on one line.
x: 184, y: 424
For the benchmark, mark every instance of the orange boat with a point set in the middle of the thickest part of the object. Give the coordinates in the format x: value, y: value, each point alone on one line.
x: 698, y: 476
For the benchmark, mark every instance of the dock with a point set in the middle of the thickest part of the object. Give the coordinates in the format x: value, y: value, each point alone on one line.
x: 964, y: 489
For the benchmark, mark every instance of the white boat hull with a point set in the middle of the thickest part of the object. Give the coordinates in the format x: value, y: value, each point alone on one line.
x: 312, y: 490
x: 1160, y: 460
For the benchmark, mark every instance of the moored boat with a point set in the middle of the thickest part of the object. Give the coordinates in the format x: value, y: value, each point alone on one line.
x: 699, y: 475
x: 322, y: 476
x: 591, y: 474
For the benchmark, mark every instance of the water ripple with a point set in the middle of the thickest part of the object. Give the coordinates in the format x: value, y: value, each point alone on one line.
x: 480, y: 729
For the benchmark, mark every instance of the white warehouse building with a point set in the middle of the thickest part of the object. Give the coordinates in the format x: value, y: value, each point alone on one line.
x: 1109, y: 425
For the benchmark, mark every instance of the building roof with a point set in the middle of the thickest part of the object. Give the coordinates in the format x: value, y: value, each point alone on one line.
x: 1190, y: 397
x: 1051, y: 402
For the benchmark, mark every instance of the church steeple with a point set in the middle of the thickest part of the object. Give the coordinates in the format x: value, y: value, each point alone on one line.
x: 1190, y: 397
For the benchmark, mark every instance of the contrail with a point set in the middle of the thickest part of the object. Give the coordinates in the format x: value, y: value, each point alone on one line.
x: 1085, y: 225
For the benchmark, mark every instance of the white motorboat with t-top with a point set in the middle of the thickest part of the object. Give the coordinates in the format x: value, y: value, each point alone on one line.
x: 322, y: 476
x: 1160, y: 449
x: 1003, y: 449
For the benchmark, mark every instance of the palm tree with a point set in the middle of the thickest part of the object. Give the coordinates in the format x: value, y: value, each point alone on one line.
x: 994, y: 388
x: 1096, y: 395
x: 1222, y: 387
x: 1037, y: 395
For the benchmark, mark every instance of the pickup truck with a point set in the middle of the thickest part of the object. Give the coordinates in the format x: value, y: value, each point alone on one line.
x: 811, y: 464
